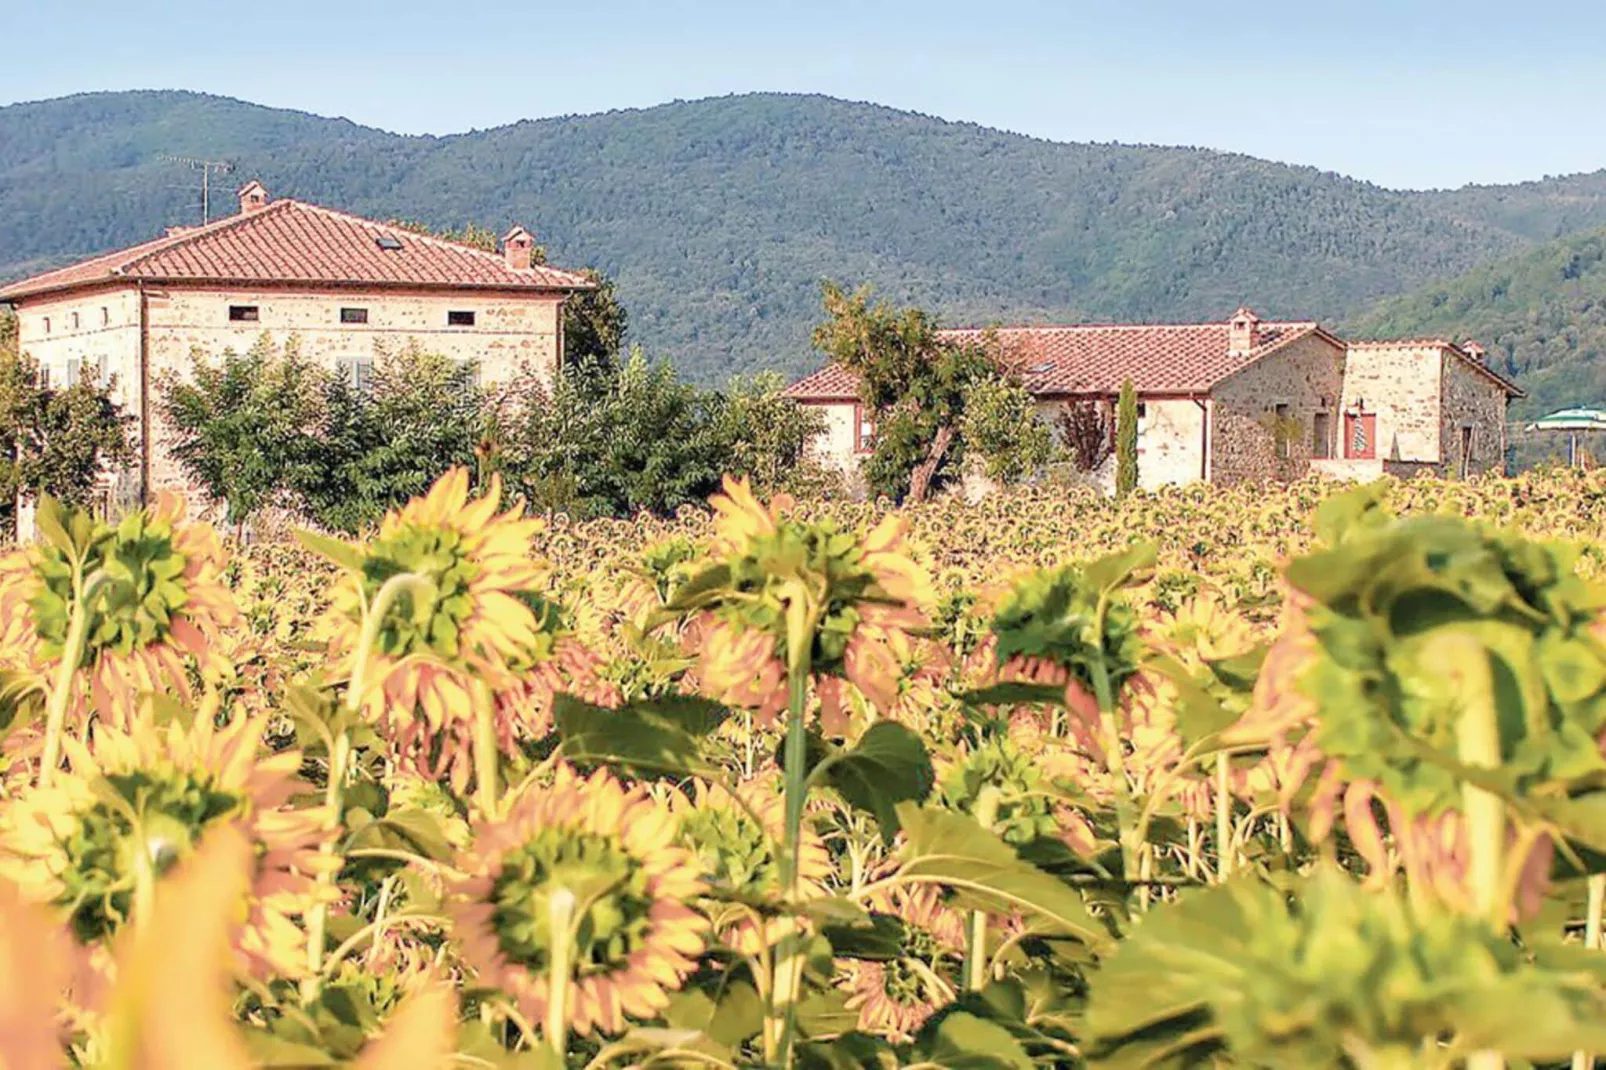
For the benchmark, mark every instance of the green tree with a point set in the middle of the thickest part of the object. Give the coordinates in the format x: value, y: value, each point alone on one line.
x: 57, y: 440
x: 594, y: 322
x: 764, y: 435
x: 1001, y: 428
x: 245, y: 426
x: 423, y: 414
x: 600, y: 442
x: 1126, y: 441
x: 915, y: 383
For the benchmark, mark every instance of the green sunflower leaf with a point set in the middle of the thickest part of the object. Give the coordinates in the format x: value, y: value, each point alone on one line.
x: 338, y: 551
x: 963, y: 1041
x: 889, y: 765
x: 1015, y: 694
x: 631, y: 737
x: 985, y: 873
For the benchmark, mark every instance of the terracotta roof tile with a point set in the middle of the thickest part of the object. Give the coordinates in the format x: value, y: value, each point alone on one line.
x: 1097, y: 359
x: 292, y: 242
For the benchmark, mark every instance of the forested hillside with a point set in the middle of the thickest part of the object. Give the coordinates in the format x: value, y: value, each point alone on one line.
x: 1542, y: 315
x: 720, y: 217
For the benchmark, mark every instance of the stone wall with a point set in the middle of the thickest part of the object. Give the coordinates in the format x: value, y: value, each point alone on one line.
x: 97, y: 330
x: 1474, y: 414
x: 510, y: 330
x: 834, y: 447
x: 1307, y: 376
x: 1171, y: 435
x: 1400, y: 383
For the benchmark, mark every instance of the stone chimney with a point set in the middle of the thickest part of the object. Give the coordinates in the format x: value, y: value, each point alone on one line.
x: 517, y: 246
x: 253, y: 197
x: 1474, y: 350
x: 1243, y: 333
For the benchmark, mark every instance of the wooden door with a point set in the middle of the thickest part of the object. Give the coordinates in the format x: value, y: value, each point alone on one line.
x: 1360, y: 436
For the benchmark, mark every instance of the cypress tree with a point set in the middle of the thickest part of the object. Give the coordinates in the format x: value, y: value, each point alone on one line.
x: 1126, y: 441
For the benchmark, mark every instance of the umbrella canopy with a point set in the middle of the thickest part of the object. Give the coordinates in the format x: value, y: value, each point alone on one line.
x: 1571, y: 420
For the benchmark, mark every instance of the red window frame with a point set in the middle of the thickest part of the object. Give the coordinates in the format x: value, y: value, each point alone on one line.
x: 1366, y: 422
x: 859, y: 423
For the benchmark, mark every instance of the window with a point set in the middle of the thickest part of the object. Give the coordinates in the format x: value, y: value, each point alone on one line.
x: 359, y: 374
x: 44, y: 377
x: 1468, y: 441
x: 46, y: 322
x: 75, y: 321
x: 1143, y: 410
x: 863, y: 430
x: 470, y: 369
x: 1360, y: 436
x: 244, y: 314
x: 388, y: 242
x: 1281, y: 430
x: 75, y: 368
x: 1321, y: 436
x: 105, y: 316
x: 459, y: 319
x: 354, y: 315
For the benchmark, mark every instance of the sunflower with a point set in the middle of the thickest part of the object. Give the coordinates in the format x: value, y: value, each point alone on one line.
x: 895, y: 997
x: 155, y: 596
x: 465, y: 626
x: 735, y: 836
x: 154, y: 791
x: 635, y: 934
x: 866, y: 593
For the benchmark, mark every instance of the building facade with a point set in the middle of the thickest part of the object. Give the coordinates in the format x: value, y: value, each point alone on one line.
x: 346, y: 290
x: 1242, y: 400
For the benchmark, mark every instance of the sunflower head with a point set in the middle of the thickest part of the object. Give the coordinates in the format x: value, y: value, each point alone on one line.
x: 735, y: 836
x: 608, y: 856
x: 139, y: 802
x: 470, y: 566
x: 151, y: 590
x: 772, y: 575
x: 1069, y: 617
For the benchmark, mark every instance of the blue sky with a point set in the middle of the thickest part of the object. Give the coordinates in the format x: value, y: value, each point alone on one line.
x: 1408, y: 93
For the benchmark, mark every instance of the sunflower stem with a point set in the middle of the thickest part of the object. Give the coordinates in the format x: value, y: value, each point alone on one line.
x: 976, y: 952
x: 1224, y: 851
x: 560, y: 922
x: 1115, y: 762
x: 72, y: 653
x: 373, y: 619
x: 789, y: 956
x: 486, y: 752
x: 1584, y: 1060
x: 1471, y: 682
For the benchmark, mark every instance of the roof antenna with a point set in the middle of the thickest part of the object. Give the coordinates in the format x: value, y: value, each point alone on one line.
x: 206, y: 167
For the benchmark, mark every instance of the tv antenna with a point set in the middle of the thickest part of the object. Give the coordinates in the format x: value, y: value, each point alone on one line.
x: 207, y: 169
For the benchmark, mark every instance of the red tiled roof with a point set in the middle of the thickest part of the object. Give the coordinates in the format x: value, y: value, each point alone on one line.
x: 1096, y: 359
x: 290, y: 242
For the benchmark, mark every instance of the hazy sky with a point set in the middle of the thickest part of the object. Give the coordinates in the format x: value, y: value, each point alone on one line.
x: 1402, y: 92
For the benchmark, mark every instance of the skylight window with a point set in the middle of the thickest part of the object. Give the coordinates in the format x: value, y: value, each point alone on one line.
x: 388, y: 241
x: 1045, y: 367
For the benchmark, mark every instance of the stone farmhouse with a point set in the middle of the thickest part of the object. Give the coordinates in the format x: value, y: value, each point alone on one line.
x: 345, y: 288
x: 1245, y: 399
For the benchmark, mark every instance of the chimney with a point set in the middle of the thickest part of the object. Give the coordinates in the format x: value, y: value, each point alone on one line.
x: 253, y: 197
x: 1243, y: 333
x: 1474, y: 350
x: 517, y: 247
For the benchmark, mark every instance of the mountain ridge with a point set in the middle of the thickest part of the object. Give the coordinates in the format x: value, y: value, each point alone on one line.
x: 719, y: 217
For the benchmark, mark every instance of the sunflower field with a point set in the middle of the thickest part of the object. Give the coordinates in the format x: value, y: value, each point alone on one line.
x: 1214, y: 777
